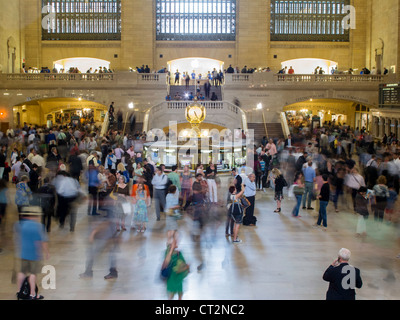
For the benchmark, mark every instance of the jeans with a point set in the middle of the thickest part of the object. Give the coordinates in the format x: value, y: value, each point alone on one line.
x: 309, y: 189
x: 296, y: 209
x: 322, y: 213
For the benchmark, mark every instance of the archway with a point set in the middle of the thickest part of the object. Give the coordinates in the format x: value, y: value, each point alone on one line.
x: 200, y: 66
x: 59, y: 111
x: 308, y: 114
x: 308, y: 65
x: 83, y: 64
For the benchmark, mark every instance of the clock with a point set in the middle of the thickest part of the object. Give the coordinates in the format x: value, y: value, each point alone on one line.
x: 195, y: 113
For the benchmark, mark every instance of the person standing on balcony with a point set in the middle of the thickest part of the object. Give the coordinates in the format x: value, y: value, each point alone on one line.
x: 177, y: 75
x: 207, y: 87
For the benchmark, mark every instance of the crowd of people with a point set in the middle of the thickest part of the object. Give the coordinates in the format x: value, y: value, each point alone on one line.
x: 329, y: 164
x: 71, y: 70
x: 55, y: 169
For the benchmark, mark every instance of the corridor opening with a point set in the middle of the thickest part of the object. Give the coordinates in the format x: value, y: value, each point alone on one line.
x: 310, y: 65
x: 311, y: 114
x: 83, y: 64
x: 59, y: 111
x: 199, y: 67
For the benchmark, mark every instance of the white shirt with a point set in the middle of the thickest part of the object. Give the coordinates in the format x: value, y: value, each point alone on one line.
x: 160, y: 181
x: 250, y: 188
x: 38, y: 160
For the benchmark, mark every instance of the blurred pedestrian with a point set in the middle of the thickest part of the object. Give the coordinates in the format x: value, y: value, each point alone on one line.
x: 3, y: 208
x: 67, y: 189
x: 186, y: 186
x: 179, y: 270
x: 298, y: 191
x: 236, y: 212
x: 171, y: 208
x: 104, y: 235
x: 142, y: 202
x: 93, y: 187
x: 47, y: 201
x: 381, y: 192
x: 323, y: 197
x: 122, y: 204
x: 33, y: 247
x: 160, y: 184
x: 309, y: 179
x: 23, y: 193
x: 250, y: 190
x: 279, y: 182
x: 361, y: 208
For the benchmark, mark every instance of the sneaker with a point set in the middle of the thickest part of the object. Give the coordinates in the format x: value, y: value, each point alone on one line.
x: 86, y: 275
x: 237, y: 241
x: 310, y: 208
x: 304, y: 208
x: 111, y: 275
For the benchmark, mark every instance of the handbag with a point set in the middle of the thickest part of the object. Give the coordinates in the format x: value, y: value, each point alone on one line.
x: 126, y: 208
x: 244, y: 202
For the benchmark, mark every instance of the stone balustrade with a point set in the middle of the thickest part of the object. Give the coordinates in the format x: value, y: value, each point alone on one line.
x: 132, y: 78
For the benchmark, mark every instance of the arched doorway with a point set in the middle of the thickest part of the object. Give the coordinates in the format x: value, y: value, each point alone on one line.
x: 59, y: 111
x: 83, y: 64
x: 308, y: 114
x: 200, y: 66
x: 308, y: 65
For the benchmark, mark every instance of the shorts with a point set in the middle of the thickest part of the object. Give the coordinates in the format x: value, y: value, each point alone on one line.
x: 30, y: 266
x: 238, y: 218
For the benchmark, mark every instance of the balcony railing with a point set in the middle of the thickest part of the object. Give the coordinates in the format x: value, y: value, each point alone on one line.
x: 261, y: 78
x: 118, y: 79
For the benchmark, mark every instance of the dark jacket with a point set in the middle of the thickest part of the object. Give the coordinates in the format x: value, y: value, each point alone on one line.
x: 335, y: 276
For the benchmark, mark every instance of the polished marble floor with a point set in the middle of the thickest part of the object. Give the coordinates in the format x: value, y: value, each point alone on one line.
x: 280, y: 258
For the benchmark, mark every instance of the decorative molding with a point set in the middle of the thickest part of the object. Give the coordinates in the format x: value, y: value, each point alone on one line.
x: 190, y: 45
x: 81, y: 44
x: 309, y: 46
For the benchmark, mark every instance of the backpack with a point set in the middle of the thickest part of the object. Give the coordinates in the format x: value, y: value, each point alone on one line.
x: 25, y: 291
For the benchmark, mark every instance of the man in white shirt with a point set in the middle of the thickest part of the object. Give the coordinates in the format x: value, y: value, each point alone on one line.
x: 159, y: 182
x: 372, y: 162
x: 250, y: 190
x: 92, y: 144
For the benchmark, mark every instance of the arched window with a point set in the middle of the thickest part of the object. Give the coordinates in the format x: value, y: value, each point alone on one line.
x: 204, y: 20
x: 308, y: 20
x: 81, y: 19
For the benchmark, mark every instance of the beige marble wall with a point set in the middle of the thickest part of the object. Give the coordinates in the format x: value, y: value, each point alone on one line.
x: 10, y: 35
x: 252, y: 46
x: 383, y: 26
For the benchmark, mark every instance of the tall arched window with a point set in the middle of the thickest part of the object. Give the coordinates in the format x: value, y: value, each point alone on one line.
x: 204, y: 20
x: 308, y: 20
x: 81, y: 19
